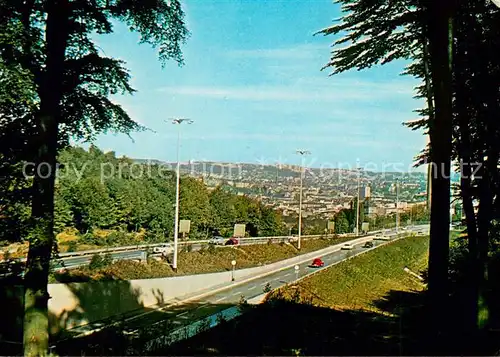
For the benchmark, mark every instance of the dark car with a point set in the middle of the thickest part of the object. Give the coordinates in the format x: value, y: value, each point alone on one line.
x: 368, y: 245
x: 232, y: 241
x: 317, y: 263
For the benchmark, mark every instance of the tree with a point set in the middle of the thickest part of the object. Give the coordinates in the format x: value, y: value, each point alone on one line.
x: 73, y: 83
x: 341, y: 223
x: 381, y: 32
x: 223, y: 210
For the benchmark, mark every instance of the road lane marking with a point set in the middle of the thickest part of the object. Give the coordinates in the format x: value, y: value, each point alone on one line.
x: 222, y: 298
x: 202, y: 306
x: 286, y: 274
x: 252, y: 287
x: 184, y: 313
x: 237, y: 293
x: 264, y: 283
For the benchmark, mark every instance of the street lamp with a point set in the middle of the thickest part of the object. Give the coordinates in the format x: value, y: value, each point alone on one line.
x: 233, y: 263
x: 357, y: 206
x: 302, y: 153
x: 176, y: 222
x: 397, y: 205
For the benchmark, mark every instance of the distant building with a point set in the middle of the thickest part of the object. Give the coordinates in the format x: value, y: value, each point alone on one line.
x: 365, y: 192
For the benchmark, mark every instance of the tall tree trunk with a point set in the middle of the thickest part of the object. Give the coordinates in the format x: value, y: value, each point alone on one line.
x: 439, y: 31
x: 36, y: 332
x: 484, y: 222
x: 430, y: 108
x: 464, y: 148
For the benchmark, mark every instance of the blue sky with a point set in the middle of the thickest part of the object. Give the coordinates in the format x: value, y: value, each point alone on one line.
x: 253, y: 85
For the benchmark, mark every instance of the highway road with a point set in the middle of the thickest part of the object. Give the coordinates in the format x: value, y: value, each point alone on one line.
x: 189, y: 312
x: 73, y: 262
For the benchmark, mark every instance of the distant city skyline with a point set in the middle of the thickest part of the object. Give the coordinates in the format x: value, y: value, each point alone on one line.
x: 256, y: 91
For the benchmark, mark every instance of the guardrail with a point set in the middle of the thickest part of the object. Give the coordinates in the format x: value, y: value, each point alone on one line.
x: 143, y: 247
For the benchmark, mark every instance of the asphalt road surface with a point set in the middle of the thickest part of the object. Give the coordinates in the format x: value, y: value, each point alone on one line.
x: 185, y: 314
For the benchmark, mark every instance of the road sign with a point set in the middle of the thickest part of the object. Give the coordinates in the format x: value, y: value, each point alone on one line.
x: 365, y: 226
x: 184, y: 226
x: 239, y: 230
x: 331, y: 226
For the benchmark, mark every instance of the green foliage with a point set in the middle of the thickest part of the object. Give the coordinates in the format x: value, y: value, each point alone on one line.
x: 72, y: 246
x: 243, y: 305
x: 220, y: 318
x: 342, y: 224
x: 100, y: 261
x: 267, y: 288
x: 96, y: 190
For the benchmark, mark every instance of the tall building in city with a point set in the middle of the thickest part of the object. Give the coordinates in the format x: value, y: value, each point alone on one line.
x: 365, y: 193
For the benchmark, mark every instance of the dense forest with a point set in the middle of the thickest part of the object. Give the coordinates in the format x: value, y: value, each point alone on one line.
x: 97, y: 190
x: 106, y: 200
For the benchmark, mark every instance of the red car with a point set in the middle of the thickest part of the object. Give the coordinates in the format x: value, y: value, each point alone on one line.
x: 232, y: 241
x: 317, y: 263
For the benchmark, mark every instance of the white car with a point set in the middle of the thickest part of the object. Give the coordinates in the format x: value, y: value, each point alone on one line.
x: 217, y: 241
x: 163, y: 249
x: 348, y: 246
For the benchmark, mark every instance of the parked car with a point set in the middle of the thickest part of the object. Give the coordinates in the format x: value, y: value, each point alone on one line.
x: 368, y: 245
x: 232, y: 241
x: 317, y: 263
x: 347, y: 246
x: 217, y: 241
x: 163, y: 249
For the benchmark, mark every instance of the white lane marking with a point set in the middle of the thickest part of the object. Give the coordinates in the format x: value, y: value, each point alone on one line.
x: 222, y: 298
x: 202, y: 306
x: 264, y: 283
x: 252, y: 287
x: 237, y: 293
x: 286, y: 274
x: 184, y: 313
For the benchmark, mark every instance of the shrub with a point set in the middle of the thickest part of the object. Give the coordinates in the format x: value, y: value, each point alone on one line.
x: 211, y: 249
x: 72, y: 246
x: 243, y: 304
x: 90, y: 238
x: 267, y: 288
x: 189, y: 248
x: 107, y: 259
x: 99, y: 262
x: 220, y: 318
x: 118, y: 238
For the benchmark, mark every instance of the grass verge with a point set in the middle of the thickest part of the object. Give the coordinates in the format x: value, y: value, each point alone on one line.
x: 373, y: 274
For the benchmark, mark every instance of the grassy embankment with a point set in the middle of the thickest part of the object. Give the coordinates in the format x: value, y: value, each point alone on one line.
x: 356, y: 286
x: 207, y: 260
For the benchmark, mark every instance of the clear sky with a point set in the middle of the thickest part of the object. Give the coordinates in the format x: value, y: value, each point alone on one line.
x: 253, y: 84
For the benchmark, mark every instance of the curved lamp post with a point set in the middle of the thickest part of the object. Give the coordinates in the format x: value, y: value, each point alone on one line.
x: 176, y: 223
